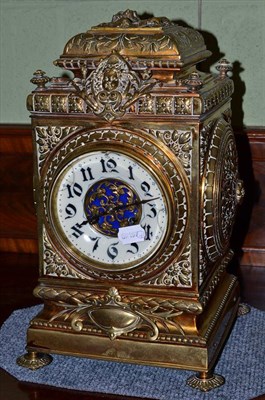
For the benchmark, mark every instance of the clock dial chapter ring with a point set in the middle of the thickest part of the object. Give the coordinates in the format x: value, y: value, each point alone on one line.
x: 89, y: 213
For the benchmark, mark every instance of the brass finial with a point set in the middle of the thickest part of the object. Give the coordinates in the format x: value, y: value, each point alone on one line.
x: 223, y: 67
x: 40, y: 79
x: 194, y: 83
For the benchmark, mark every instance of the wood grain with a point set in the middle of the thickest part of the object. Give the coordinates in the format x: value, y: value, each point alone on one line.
x: 18, y: 228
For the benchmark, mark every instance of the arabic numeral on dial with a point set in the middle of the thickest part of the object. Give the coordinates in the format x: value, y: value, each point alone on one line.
x: 70, y: 211
x: 112, y: 251
x: 86, y: 174
x: 153, y: 212
x: 74, y: 190
x: 146, y: 188
x: 130, y: 168
x: 95, y: 245
x: 109, y: 165
x: 77, y: 231
x: 148, y: 232
x: 135, y: 248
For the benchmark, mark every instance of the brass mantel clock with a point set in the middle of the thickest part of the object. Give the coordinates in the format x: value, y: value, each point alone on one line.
x: 136, y: 189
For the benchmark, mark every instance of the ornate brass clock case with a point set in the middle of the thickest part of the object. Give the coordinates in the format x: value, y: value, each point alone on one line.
x: 136, y: 189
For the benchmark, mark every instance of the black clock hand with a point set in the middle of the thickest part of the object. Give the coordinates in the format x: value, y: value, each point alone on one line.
x: 123, y: 206
x: 94, y: 218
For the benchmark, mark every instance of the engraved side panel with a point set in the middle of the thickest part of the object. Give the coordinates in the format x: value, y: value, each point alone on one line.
x: 220, y: 188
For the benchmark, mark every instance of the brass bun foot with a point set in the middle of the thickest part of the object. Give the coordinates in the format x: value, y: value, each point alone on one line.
x: 33, y: 360
x: 205, y: 381
x: 243, y: 309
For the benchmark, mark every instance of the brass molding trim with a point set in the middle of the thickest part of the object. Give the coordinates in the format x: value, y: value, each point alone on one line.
x: 215, y: 318
x: 73, y: 296
x: 208, y: 290
x: 125, y: 315
x: 158, y: 105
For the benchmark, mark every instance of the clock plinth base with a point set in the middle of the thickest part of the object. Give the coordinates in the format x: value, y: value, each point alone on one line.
x: 182, y: 351
x: 34, y: 360
x: 205, y: 381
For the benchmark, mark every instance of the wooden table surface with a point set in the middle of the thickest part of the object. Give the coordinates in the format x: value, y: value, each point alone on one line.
x: 19, y: 277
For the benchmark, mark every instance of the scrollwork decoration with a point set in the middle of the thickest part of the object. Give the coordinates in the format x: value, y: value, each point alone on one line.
x: 161, y: 37
x: 112, y: 88
x: 178, y: 274
x: 49, y: 136
x: 130, y: 19
x: 180, y: 142
x: 54, y: 265
x: 116, y: 317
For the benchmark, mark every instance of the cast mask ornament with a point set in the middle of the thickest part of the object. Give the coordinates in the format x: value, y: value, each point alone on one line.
x: 112, y: 88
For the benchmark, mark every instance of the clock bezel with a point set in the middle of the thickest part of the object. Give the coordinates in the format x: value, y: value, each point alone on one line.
x: 152, y: 160
x: 71, y: 247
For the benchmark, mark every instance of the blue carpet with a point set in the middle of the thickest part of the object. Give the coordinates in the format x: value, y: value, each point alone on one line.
x: 242, y: 363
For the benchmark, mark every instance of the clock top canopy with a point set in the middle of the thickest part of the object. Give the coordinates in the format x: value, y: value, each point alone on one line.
x: 152, y: 42
x: 132, y: 66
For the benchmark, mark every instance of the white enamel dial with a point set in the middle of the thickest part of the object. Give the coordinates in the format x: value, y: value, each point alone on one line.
x: 102, y: 194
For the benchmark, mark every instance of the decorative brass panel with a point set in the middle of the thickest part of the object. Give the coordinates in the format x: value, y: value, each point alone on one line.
x: 112, y: 88
x: 173, y: 179
x: 54, y: 265
x: 154, y: 38
x: 48, y: 137
x: 220, y: 190
x: 179, y: 272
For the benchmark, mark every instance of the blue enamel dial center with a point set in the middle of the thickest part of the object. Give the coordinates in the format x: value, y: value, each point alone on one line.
x: 111, y: 204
